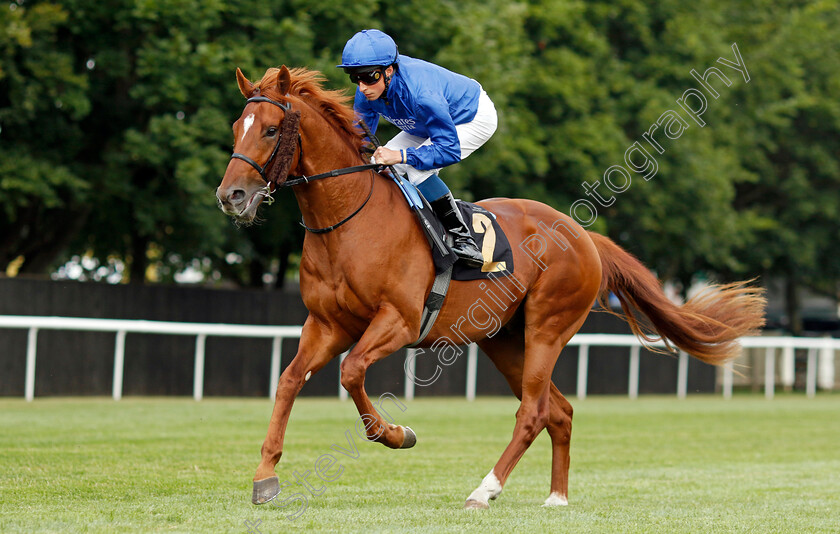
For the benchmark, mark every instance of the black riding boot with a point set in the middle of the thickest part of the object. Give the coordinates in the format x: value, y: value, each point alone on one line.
x: 449, y: 214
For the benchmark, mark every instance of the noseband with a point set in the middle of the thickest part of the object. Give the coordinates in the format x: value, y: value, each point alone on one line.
x: 290, y: 127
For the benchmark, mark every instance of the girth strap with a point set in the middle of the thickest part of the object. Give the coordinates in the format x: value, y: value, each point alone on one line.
x: 434, y: 302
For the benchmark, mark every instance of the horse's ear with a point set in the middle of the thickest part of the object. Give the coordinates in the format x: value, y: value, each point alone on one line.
x: 245, y: 87
x: 284, y: 80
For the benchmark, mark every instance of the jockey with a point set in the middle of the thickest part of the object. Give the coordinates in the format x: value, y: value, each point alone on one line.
x: 443, y: 116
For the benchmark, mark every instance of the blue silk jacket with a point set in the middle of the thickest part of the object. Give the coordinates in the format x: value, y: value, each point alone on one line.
x: 425, y: 100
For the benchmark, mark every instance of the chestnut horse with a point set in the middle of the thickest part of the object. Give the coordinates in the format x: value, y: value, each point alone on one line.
x: 364, y: 283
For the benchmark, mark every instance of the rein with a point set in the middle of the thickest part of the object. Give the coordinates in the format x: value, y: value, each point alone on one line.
x: 336, y: 225
x: 290, y: 128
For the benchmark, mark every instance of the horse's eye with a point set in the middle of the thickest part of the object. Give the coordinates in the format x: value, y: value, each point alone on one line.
x: 271, y: 131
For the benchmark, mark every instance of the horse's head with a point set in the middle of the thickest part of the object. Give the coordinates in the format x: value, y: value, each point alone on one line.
x: 265, y: 138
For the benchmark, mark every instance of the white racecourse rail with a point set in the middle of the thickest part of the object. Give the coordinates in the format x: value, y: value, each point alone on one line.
x: 822, y: 347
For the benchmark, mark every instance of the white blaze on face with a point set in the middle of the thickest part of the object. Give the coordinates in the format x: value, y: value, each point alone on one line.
x: 249, y: 121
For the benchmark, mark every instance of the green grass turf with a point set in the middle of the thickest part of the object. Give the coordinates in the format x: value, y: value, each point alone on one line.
x: 656, y: 464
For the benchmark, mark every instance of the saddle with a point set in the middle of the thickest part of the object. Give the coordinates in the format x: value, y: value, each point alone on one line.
x: 488, y: 235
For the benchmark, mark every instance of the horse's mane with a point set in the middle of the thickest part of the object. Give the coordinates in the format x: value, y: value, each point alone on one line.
x: 334, y: 104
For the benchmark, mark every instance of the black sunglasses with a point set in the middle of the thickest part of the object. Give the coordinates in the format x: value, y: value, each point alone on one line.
x: 369, y: 77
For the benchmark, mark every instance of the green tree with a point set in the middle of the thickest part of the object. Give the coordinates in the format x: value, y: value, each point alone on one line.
x: 790, y: 142
x: 43, y: 191
x: 115, y: 125
x: 116, y: 128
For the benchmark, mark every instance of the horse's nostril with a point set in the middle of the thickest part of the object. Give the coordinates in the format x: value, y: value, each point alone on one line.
x: 230, y: 197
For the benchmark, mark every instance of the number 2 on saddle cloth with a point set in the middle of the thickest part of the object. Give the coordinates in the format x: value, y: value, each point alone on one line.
x: 488, y: 235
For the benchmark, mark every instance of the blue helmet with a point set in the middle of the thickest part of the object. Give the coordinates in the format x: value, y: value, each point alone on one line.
x: 369, y: 48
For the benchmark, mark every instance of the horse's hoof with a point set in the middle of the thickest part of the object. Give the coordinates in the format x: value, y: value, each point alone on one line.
x: 265, y: 490
x: 555, y: 499
x: 410, y: 438
x: 473, y: 504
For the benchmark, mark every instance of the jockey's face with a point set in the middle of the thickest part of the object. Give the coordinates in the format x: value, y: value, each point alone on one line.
x: 374, y: 90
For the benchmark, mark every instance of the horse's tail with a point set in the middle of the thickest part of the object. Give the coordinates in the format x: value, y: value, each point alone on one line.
x: 707, y: 326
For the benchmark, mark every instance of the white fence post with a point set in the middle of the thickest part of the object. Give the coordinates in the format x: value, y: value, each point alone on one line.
x: 682, y: 375
x: 788, y: 370
x: 811, y: 373
x: 274, y: 374
x: 825, y: 368
x: 198, y: 377
x: 119, y: 363
x: 769, y: 372
x: 31, y: 351
x: 727, y: 381
x: 472, y: 367
x: 342, y: 393
x: 633, y: 379
x: 583, y: 371
x: 410, y: 372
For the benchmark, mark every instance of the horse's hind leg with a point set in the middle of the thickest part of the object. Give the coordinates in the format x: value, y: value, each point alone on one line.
x: 506, y: 351
x: 560, y: 430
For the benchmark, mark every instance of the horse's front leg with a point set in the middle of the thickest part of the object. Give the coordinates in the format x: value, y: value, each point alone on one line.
x: 319, y: 343
x: 387, y: 333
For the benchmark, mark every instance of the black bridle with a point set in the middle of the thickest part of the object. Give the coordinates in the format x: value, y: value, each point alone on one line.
x: 299, y: 180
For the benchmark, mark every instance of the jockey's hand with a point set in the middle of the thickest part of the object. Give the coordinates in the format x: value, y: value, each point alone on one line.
x: 386, y: 156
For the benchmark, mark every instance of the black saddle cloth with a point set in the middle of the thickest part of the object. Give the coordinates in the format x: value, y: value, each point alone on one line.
x: 488, y: 235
